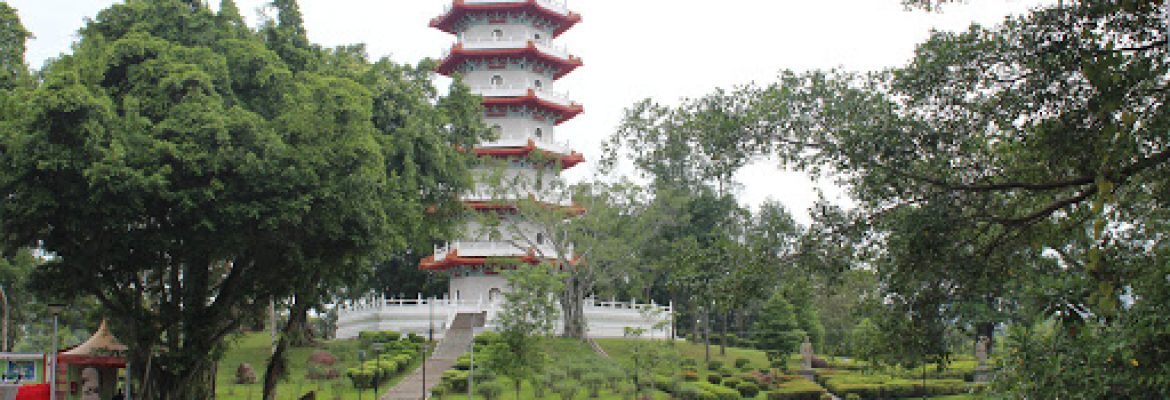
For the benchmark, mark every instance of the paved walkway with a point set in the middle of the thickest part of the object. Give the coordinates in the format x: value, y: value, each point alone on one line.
x: 455, y: 342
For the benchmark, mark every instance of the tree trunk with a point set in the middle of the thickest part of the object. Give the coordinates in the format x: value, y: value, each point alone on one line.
x: 573, y: 308
x: 706, y: 334
x: 723, y: 338
x: 278, y: 364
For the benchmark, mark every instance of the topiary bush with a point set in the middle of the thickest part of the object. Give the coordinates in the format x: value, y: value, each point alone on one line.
x: 714, y: 365
x: 567, y: 390
x: 577, y: 371
x: 742, y: 362
x: 720, y: 392
x: 714, y: 378
x: 490, y: 390
x: 747, y: 390
x: 731, y: 382
x: 593, y: 381
x: 487, y: 338
x: 690, y: 376
x: 361, y: 378
x: 797, y: 389
x: 456, y: 380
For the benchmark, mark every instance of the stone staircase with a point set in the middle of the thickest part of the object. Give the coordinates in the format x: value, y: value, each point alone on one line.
x: 455, y: 342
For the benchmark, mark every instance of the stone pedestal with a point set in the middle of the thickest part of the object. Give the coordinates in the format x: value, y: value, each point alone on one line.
x: 982, y: 374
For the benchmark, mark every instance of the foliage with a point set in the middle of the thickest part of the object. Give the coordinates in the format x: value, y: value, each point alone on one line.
x: 777, y: 329
x: 747, y: 390
x: 240, y: 178
x: 528, y: 315
x: 797, y: 389
x: 866, y: 341
x: 490, y: 390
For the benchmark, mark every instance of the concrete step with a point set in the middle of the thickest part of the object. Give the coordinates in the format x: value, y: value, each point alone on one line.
x: 455, y: 342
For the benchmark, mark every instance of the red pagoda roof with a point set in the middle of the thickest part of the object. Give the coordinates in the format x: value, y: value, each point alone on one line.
x: 573, y: 210
x: 567, y: 110
x: 459, y: 54
x: 563, y: 18
x: 453, y: 260
x: 567, y: 160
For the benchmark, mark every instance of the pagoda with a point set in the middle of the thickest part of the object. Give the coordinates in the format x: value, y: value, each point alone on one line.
x: 505, y: 52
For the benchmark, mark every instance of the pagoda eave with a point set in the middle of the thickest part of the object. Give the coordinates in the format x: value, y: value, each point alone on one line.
x: 461, y: 8
x: 565, y: 111
x: 566, y: 160
x: 454, y: 260
x: 459, y: 54
x: 573, y: 210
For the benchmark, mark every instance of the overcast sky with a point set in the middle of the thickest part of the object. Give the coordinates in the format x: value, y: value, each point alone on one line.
x: 633, y: 49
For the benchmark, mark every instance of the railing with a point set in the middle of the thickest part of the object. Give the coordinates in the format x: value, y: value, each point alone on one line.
x: 522, y: 140
x: 522, y: 90
x: 493, y: 249
x: 381, y: 303
x: 495, y: 195
x: 512, y: 43
x: 418, y: 315
x: 559, y: 7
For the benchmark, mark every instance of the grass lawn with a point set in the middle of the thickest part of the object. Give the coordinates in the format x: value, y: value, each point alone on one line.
x: 254, y: 348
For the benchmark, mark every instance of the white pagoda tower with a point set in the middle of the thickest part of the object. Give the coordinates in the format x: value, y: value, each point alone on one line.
x: 505, y: 53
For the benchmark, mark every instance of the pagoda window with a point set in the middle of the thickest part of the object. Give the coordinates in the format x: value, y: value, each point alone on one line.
x: 497, y: 80
x: 539, y: 133
x: 536, y: 36
x: 539, y: 239
x: 497, y: 130
x: 498, y: 34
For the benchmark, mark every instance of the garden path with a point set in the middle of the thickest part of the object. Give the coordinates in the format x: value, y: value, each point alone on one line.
x: 455, y: 342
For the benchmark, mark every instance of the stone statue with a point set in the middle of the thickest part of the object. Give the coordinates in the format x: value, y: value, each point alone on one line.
x: 806, y: 354
x: 982, y: 372
x: 981, y: 350
x: 91, y: 385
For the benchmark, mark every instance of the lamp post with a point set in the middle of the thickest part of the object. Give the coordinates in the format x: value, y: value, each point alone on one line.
x: 4, y: 326
x: 362, y: 366
x: 377, y: 349
x: 54, y: 309
x: 427, y: 345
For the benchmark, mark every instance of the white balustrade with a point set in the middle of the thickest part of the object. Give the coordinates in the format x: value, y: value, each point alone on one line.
x: 418, y: 315
x: 512, y: 43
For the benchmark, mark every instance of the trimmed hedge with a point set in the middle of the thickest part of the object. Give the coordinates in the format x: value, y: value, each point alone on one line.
x: 747, y: 390
x: 886, y: 387
x: 720, y: 392
x: 797, y: 389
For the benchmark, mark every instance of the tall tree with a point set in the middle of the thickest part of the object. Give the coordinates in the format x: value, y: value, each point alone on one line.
x: 13, y: 36
x: 529, y: 313
x: 1031, y: 152
x: 183, y: 174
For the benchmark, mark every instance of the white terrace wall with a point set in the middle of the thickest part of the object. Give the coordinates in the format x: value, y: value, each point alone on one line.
x: 607, y: 319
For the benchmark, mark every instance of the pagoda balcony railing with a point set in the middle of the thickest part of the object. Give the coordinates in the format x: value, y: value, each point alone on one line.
x: 559, y: 7
x: 522, y: 140
x: 487, y: 195
x: 521, y: 91
x: 495, y: 249
x: 513, y: 43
